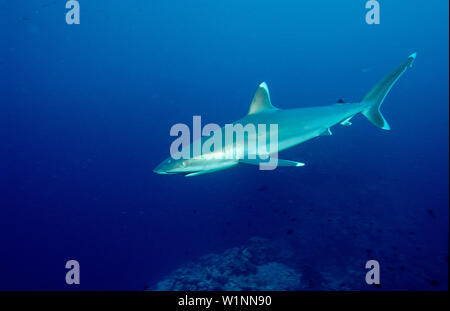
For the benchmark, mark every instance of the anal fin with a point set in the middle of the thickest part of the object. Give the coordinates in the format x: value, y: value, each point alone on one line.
x: 346, y: 122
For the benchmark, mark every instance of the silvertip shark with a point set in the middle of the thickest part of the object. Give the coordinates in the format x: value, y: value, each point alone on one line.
x: 295, y: 126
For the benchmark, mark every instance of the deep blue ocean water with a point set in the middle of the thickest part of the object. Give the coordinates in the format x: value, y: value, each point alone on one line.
x: 86, y: 113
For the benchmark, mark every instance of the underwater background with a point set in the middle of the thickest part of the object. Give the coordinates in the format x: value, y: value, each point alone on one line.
x: 85, y: 118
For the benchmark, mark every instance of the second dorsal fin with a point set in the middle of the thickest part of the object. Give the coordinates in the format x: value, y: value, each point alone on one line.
x: 261, y: 100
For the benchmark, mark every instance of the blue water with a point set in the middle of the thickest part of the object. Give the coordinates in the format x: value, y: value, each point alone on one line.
x: 86, y: 113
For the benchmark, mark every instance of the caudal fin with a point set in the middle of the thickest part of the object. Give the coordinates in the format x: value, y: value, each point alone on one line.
x: 376, y: 95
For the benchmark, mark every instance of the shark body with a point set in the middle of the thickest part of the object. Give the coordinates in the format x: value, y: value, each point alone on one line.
x: 295, y: 126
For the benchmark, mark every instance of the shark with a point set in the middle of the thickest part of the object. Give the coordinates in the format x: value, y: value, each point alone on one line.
x: 294, y: 126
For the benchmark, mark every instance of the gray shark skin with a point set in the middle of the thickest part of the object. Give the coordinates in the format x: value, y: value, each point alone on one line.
x: 295, y: 126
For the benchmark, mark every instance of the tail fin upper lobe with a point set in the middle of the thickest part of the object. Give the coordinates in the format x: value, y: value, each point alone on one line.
x: 376, y: 95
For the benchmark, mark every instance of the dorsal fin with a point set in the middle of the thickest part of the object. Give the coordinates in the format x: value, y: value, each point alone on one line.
x: 261, y: 100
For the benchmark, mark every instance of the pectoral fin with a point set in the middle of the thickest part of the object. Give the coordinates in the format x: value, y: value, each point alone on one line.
x: 218, y: 167
x: 200, y: 173
x: 273, y: 161
x: 289, y: 163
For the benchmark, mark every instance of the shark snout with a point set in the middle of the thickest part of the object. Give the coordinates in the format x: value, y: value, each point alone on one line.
x: 167, y: 166
x: 160, y: 169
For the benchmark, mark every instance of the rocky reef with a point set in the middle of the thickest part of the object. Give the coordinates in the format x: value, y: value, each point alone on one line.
x: 260, y: 264
x: 288, y: 265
